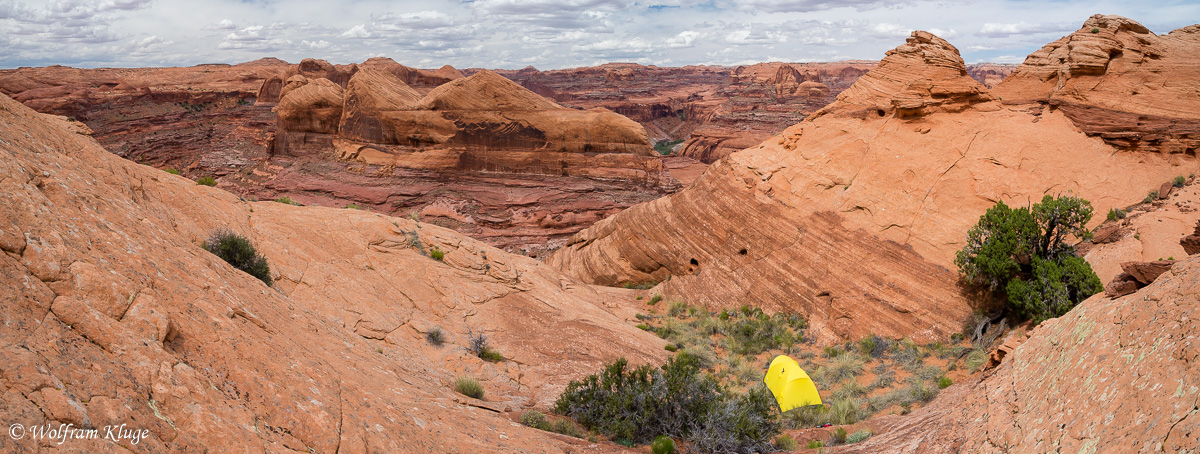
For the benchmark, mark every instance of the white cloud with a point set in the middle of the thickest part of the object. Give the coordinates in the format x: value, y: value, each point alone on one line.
x: 890, y: 30
x: 683, y: 39
x: 1021, y: 28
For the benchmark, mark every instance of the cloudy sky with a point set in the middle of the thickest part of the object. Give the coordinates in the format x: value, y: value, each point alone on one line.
x: 547, y: 34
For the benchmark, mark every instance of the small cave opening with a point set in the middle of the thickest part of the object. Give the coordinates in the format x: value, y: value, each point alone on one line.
x: 743, y: 251
x: 694, y: 262
x: 880, y: 112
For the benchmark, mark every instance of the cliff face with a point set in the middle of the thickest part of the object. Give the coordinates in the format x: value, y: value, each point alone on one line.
x: 480, y: 154
x: 117, y: 316
x: 886, y: 181
x: 1111, y: 375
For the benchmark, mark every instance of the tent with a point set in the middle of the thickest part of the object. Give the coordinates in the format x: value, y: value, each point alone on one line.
x: 790, y: 384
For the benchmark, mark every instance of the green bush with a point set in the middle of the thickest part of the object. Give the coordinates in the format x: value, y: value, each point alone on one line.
x: 845, y: 411
x: 171, y: 170
x: 478, y: 345
x: 206, y: 181
x: 1023, y: 255
x: 287, y: 201
x: 437, y: 254
x: 662, y: 445
x: 566, y: 427
x: 535, y: 419
x: 785, y: 442
x: 1179, y: 181
x: 814, y: 444
x: 469, y: 387
x: 858, y: 436
x: 671, y: 347
x: 1095, y: 30
x: 435, y: 336
x: 237, y: 251
x: 353, y: 206
x: 838, y: 436
x: 655, y: 299
x: 677, y: 400
x: 1152, y: 196
x: 944, y: 382
x: 1115, y: 214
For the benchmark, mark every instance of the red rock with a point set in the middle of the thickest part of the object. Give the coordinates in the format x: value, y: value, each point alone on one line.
x: 1147, y: 272
x: 1122, y: 285
x: 1164, y: 191
x: 901, y: 197
x: 1110, y: 375
x: 135, y: 324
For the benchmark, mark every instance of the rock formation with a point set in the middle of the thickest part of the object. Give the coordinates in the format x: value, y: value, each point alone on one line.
x: 1119, y: 81
x: 885, y: 182
x: 115, y: 315
x: 1191, y: 243
x: 1109, y: 375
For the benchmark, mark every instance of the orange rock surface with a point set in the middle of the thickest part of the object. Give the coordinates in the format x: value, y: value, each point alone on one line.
x: 854, y: 217
x: 115, y: 315
x: 1112, y: 375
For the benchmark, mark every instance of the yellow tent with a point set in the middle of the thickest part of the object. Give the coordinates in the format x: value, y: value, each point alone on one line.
x: 790, y: 384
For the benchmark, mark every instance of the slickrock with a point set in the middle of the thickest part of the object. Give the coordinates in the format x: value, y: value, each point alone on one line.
x: 1111, y: 375
x: 796, y: 222
x: 923, y: 76
x: 116, y: 315
x: 1119, y: 81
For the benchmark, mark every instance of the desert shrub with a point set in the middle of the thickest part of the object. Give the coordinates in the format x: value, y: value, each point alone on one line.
x: 808, y: 416
x: 287, y: 201
x: 435, y: 336
x: 814, y: 444
x: 655, y: 299
x: 846, y: 410
x: 786, y: 443
x: 662, y: 445
x: 944, y: 382
x: 866, y: 345
x: 237, y: 251
x: 437, y: 254
x: 663, y: 147
x: 678, y: 308
x: 1179, y: 181
x: 842, y: 367
x: 929, y: 373
x: 1095, y: 30
x: 535, y: 419
x: 858, y: 436
x: 643, y: 327
x: 206, y: 181
x: 831, y: 352
x: 1152, y: 196
x: 671, y: 347
x: 1115, y: 214
x: 1023, y: 255
x: 478, y: 345
x: 838, y: 436
x: 353, y: 206
x: 920, y: 392
x: 975, y: 359
x: 883, y: 380
x: 677, y: 400
x: 566, y: 427
x: 469, y: 387
x: 745, y: 424
x: 751, y: 335
x: 850, y: 389
x: 171, y: 171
